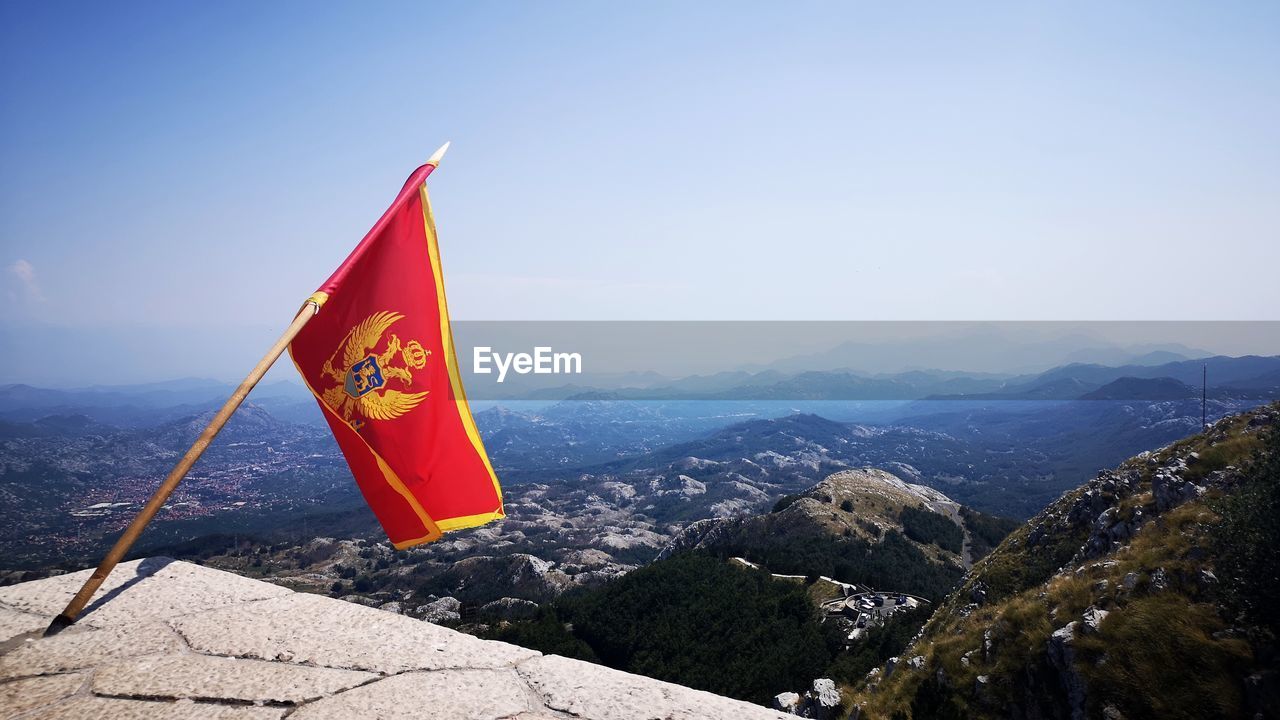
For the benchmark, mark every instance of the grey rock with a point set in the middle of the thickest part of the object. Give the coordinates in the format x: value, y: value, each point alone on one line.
x: 787, y: 702
x: 824, y: 693
x: 1092, y: 619
x: 510, y: 608
x: 483, y: 578
x: 1171, y: 490
x: 1159, y: 580
x: 982, y: 689
x: 978, y: 595
x: 1061, y: 652
x: 1129, y: 582
x: 1111, y: 712
x: 446, y: 609
x: 889, y: 666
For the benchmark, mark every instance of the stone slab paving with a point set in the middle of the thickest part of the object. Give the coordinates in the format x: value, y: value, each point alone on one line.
x: 351, y: 637
x: 79, y: 648
x: 90, y: 707
x: 15, y: 622
x: 440, y: 695
x: 175, y: 641
x: 202, y: 677
x: 20, y: 696
x: 150, y: 589
x: 594, y: 691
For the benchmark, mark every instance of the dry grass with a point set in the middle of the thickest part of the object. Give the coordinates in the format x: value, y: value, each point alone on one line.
x: 1157, y: 658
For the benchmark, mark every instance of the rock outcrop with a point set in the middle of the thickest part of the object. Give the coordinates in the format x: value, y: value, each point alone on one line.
x: 821, y: 702
x: 1111, y: 587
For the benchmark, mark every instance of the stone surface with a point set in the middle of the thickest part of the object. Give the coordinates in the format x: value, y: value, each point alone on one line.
x: 351, y: 637
x: 150, y: 589
x: 201, y: 677
x: 440, y: 695
x: 446, y: 609
x: 823, y: 701
x: 177, y: 641
x: 1062, y: 658
x: 22, y: 695
x: 787, y: 702
x: 1092, y: 620
x: 14, y: 623
x: 89, y: 707
x: 601, y: 693
x: 78, y: 648
x: 509, y: 608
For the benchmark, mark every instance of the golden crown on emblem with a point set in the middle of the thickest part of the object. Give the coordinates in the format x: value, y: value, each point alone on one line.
x: 414, y: 355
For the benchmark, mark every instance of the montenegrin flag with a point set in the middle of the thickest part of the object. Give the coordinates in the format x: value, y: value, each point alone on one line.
x: 379, y: 358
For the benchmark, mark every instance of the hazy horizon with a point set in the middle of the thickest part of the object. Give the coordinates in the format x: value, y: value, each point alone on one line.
x: 178, y: 179
x: 614, y: 351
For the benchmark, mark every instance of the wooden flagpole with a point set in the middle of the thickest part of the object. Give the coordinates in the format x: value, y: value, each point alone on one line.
x: 309, y: 309
x: 144, y: 516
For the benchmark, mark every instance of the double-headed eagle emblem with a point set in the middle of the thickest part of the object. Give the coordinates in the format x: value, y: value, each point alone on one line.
x: 362, y: 378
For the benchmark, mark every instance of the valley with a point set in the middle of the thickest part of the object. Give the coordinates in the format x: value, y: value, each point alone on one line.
x: 831, y: 542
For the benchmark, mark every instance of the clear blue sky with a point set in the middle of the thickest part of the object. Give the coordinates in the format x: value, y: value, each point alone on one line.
x: 181, y: 175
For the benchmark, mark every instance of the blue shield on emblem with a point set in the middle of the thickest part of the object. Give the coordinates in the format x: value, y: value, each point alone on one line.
x: 364, y: 377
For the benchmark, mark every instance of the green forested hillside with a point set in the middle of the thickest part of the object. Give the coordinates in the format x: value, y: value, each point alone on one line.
x: 694, y: 620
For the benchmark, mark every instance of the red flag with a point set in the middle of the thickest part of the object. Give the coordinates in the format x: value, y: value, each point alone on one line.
x: 379, y: 358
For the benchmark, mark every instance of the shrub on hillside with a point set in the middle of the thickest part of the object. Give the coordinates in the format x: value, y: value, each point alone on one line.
x: 545, y: 633
x: 986, y: 531
x: 1249, y: 534
x: 926, y: 526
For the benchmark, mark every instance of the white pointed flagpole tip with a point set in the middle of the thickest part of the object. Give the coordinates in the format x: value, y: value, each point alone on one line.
x: 435, y: 159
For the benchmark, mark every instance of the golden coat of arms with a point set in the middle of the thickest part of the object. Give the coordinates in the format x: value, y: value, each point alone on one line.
x: 362, y: 380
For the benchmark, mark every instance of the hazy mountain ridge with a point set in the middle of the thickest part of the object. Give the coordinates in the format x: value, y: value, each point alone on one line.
x: 1248, y: 374
x: 152, y: 403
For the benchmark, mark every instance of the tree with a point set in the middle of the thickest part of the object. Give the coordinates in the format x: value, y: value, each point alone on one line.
x: 701, y: 622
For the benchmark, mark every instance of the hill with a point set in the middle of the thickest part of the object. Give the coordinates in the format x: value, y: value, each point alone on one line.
x: 766, y: 594
x: 1150, y: 591
x: 863, y: 526
x: 1131, y: 388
